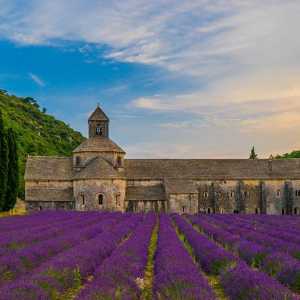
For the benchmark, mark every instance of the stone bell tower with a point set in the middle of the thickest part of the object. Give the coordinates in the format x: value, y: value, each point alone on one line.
x: 98, y: 124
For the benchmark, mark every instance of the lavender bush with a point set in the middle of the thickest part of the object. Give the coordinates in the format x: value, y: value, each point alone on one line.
x: 242, y: 282
x: 121, y: 275
x: 176, y: 275
x: 212, y: 258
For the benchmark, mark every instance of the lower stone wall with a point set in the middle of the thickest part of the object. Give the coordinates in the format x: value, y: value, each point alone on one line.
x: 100, y: 194
x: 49, y: 205
x: 240, y: 196
x: 228, y: 196
x: 146, y: 206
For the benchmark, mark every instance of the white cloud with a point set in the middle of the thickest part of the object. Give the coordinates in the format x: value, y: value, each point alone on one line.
x: 35, y: 78
x: 243, y: 55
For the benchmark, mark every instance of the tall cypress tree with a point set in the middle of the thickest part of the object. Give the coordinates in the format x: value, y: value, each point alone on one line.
x: 13, y: 173
x: 253, y: 154
x: 3, y: 163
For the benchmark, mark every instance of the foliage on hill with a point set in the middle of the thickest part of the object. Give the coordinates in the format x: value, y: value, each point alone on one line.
x: 37, y: 132
x: 293, y: 154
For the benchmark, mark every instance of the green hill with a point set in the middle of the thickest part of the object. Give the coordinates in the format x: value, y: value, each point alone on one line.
x: 37, y: 132
x: 293, y: 154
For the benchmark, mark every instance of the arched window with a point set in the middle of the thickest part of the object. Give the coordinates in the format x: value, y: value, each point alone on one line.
x: 119, y: 161
x: 295, y: 210
x: 100, y: 199
x: 118, y: 199
x: 256, y: 210
x: 82, y: 199
x: 77, y: 160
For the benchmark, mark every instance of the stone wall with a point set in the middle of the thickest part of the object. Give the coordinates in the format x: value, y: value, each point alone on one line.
x: 247, y: 196
x: 183, y: 203
x: 49, y: 205
x: 88, y: 194
x: 237, y: 196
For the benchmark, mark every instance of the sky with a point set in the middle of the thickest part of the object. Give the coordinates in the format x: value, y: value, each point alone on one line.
x: 178, y: 78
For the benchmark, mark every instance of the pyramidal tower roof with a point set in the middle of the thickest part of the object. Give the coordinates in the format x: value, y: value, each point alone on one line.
x: 98, y: 115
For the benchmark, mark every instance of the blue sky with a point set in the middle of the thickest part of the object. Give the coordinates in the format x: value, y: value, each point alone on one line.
x: 188, y: 78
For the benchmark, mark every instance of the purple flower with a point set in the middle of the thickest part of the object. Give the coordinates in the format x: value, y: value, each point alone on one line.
x: 242, y: 282
x: 176, y: 275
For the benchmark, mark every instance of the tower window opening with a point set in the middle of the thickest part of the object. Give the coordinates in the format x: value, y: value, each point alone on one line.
x: 100, y: 199
x: 183, y: 209
x: 278, y: 193
x: 99, y: 130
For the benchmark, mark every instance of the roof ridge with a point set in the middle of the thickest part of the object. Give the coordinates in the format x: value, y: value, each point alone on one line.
x: 49, y: 157
x: 212, y: 159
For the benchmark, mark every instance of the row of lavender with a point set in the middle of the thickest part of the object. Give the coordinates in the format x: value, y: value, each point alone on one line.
x: 238, y: 280
x: 49, y: 268
x: 257, y: 242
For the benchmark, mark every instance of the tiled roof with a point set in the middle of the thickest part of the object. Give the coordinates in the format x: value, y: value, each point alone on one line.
x: 98, y: 115
x: 98, y: 144
x: 180, y: 186
x: 150, y: 193
x: 58, y: 168
x: 48, y: 168
x: 212, y: 169
x: 98, y: 167
x: 49, y: 194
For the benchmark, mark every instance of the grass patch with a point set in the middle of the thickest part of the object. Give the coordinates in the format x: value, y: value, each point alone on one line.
x: 147, y: 283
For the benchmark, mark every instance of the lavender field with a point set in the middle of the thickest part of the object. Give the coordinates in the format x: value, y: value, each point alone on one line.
x: 102, y: 255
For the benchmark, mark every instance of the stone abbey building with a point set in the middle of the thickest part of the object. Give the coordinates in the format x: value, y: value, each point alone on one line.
x: 99, y: 177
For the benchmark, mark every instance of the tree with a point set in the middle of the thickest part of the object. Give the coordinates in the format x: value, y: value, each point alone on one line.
x: 13, y: 173
x: 4, y: 92
x: 253, y: 155
x: 3, y: 163
x: 31, y: 101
